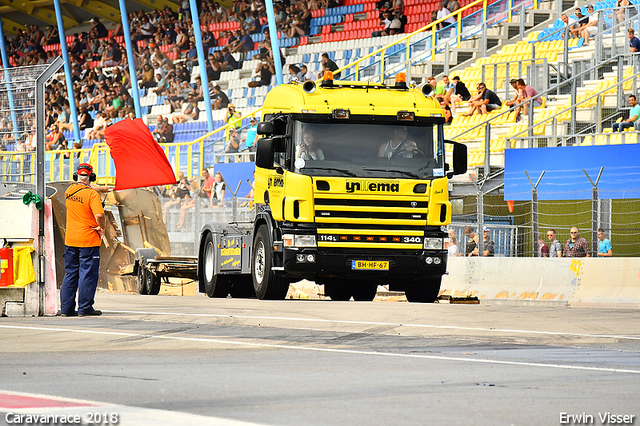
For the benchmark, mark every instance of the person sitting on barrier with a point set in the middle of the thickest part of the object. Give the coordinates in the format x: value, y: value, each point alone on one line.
x: 308, y: 150
x: 180, y: 193
x: 576, y: 246
x: 604, y: 245
x: 234, y: 144
x: 634, y: 115
x: 201, y: 191
x: 555, y: 248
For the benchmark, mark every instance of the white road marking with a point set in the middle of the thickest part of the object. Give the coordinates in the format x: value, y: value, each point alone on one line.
x: 126, y: 415
x: 317, y: 349
x: 373, y: 323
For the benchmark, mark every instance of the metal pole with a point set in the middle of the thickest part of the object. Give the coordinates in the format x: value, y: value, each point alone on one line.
x: 40, y: 178
x: 487, y: 149
x: 594, y: 208
x: 275, y: 48
x: 446, y: 58
x: 130, y: 59
x: 480, y: 214
x: 202, y: 61
x: 534, y: 211
x: 7, y: 78
x: 484, y: 34
x: 574, y: 95
x: 565, y: 56
x: 522, y: 19
x: 507, y: 86
x: 620, y: 91
x: 67, y: 70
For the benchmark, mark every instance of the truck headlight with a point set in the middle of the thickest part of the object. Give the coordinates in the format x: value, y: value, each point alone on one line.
x: 292, y: 240
x: 433, y: 243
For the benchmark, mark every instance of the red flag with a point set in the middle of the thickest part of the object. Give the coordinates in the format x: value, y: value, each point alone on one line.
x: 139, y: 160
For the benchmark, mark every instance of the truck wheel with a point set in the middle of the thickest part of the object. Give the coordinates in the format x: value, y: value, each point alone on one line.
x: 266, y: 283
x: 423, y: 291
x: 338, y: 290
x: 213, y: 285
x: 364, y: 292
x: 153, y: 283
x: 242, y: 287
x: 142, y: 280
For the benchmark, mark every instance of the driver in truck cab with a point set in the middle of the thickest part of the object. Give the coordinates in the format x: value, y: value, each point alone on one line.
x: 390, y: 148
x: 308, y: 150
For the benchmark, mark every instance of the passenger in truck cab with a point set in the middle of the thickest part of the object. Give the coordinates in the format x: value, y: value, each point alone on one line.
x: 307, y: 148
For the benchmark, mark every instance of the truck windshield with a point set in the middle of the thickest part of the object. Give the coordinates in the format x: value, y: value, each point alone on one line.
x: 385, y: 150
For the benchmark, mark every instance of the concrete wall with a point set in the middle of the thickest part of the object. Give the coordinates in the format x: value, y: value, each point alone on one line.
x: 563, y: 281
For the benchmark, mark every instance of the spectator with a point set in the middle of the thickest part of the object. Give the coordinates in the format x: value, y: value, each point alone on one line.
x: 229, y: 63
x: 265, y: 70
x: 99, y: 125
x: 634, y: 42
x: 488, y: 101
x: 98, y: 30
x: 555, y: 248
x: 452, y: 246
x: 233, y: 145
x: 330, y: 65
x: 220, y: 99
x: 517, y: 97
x: 569, y: 22
x: 233, y: 117
x: 579, y: 25
x: 576, y: 246
x: 451, y: 5
x: 190, y: 112
x: 526, y: 92
x: 252, y: 135
x: 204, y: 191
x: 391, y: 25
x: 56, y: 139
x: 591, y: 27
x: 543, y: 250
x: 489, y: 245
x: 296, y: 74
x: 180, y: 193
x: 604, y: 245
x: 306, y: 74
x: 85, y: 121
x: 461, y: 93
x: 623, y: 5
x: 634, y: 114
x: 217, y: 191
x: 161, y: 85
x: 443, y: 12
x: 472, y: 241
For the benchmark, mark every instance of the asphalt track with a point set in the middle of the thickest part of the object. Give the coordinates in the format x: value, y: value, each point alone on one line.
x: 164, y: 360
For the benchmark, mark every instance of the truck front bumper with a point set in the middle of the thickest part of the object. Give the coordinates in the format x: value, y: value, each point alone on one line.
x: 315, y: 264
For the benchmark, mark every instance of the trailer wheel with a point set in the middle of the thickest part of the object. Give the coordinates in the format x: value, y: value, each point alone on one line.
x: 337, y: 290
x: 363, y: 291
x: 213, y: 285
x: 142, y: 280
x: 153, y: 283
x: 423, y: 291
x: 267, y: 284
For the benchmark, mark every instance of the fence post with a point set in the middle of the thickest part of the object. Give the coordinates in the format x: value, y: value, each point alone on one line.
x: 595, y: 201
x: 447, y: 52
x: 487, y: 150
x: 507, y: 86
x: 534, y: 212
x: 480, y: 214
x: 620, y: 91
x: 484, y: 34
x: 522, y: 19
x: 574, y: 96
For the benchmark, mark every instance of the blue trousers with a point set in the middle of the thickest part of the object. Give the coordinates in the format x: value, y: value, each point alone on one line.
x: 81, y: 265
x: 619, y: 127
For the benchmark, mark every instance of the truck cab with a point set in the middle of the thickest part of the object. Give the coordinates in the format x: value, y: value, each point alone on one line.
x: 351, y: 190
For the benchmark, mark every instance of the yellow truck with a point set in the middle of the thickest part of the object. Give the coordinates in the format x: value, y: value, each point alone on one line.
x: 351, y: 191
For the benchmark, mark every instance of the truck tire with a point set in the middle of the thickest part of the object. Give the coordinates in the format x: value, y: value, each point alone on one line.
x: 423, y: 291
x: 266, y: 283
x: 153, y: 283
x: 337, y: 290
x: 363, y: 291
x: 142, y: 280
x: 214, y: 285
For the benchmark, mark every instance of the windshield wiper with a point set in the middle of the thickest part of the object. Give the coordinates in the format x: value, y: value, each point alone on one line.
x: 346, y: 172
x: 413, y: 175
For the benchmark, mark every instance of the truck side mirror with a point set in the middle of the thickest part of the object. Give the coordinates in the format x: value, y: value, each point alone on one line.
x: 264, y: 152
x: 459, y: 158
x: 265, y: 128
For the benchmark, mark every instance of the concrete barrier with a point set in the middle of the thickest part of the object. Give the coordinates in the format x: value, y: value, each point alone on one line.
x: 564, y: 281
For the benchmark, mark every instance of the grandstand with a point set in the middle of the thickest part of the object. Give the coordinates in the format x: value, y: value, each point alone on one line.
x: 344, y: 32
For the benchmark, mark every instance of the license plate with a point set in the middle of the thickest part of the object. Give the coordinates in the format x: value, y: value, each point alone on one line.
x: 375, y: 265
